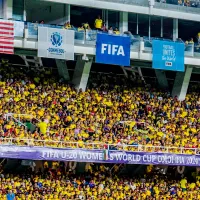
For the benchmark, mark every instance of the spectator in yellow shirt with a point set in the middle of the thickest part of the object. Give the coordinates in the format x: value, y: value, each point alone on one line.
x: 116, y: 31
x: 67, y: 26
x: 98, y: 23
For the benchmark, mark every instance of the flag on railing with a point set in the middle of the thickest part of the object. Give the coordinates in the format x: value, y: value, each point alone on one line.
x: 105, y: 154
x: 6, y: 37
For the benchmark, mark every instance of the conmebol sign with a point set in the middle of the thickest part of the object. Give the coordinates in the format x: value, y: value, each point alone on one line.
x: 55, y: 43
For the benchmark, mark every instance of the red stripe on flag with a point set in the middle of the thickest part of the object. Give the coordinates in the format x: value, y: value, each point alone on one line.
x: 6, y: 28
x: 7, y: 38
x: 7, y: 52
x: 5, y: 47
x: 4, y: 42
x: 7, y: 23
x: 6, y: 33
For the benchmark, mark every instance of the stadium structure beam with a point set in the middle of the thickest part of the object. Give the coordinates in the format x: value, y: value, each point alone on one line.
x: 181, y: 83
x: 67, y: 13
x: 162, y: 79
x: 123, y: 22
x: 82, y: 72
x: 175, y: 29
x: 62, y: 69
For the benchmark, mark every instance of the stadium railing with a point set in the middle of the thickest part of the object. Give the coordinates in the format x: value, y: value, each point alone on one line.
x: 98, y: 146
x: 189, y: 48
x: 130, y: 2
x: 173, y: 5
x: 88, y: 37
x: 194, y: 6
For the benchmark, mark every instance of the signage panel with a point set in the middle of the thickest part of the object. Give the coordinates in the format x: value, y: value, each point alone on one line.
x: 55, y: 43
x: 113, y: 49
x: 168, y: 55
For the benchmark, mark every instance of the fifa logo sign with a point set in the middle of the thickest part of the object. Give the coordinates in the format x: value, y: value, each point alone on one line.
x: 110, y: 49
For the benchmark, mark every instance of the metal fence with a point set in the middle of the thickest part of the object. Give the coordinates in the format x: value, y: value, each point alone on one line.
x: 99, y: 146
x: 88, y: 37
x: 178, y: 8
x: 189, y: 48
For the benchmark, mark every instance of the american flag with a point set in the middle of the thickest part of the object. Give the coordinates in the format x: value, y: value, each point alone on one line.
x: 6, y: 37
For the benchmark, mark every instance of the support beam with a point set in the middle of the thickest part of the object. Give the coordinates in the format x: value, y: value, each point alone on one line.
x: 161, y: 27
x: 162, y: 79
x: 7, y: 9
x: 181, y: 83
x: 81, y: 73
x: 66, y: 17
x: 175, y: 29
x: 123, y: 22
x: 62, y: 69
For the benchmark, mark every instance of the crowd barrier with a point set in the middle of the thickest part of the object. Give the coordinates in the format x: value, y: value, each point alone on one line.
x: 189, y: 48
x: 89, y: 37
x: 98, y: 146
x: 173, y: 5
x: 130, y: 2
x: 94, y: 152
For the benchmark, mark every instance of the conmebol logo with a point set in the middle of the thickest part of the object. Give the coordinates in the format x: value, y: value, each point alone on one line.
x: 56, y: 39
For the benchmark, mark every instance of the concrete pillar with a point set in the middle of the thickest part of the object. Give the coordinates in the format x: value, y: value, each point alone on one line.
x: 162, y: 79
x: 66, y: 17
x: 123, y: 22
x: 62, y: 69
x: 181, y: 83
x: 175, y: 29
x: 81, y: 73
x: 7, y: 9
x: 161, y: 27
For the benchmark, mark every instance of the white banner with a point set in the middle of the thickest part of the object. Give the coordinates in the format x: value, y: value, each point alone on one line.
x: 55, y: 43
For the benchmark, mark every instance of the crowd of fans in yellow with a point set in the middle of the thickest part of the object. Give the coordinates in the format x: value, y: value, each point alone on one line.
x: 97, y: 184
x: 110, y: 113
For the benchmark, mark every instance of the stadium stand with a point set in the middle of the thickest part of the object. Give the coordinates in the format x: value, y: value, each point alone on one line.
x: 35, y: 112
x: 97, y: 182
x: 39, y: 109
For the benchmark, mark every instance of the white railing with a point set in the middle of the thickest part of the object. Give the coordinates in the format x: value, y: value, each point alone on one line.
x: 18, y: 117
x: 99, y: 146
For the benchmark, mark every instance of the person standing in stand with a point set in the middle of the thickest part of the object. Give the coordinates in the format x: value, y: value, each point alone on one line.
x: 98, y: 23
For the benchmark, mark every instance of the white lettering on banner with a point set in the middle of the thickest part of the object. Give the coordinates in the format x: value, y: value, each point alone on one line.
x: 91, y: 156
x: 192, y: 161
x: 60, y: 154
x: 121, y: 157
x: 71, y: 155
x: 169, y: 55
x: 112, y: 49
x: 125, y: 157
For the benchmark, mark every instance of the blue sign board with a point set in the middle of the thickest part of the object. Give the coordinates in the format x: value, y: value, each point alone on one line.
x: 113, y: 49
x: 168, y: 55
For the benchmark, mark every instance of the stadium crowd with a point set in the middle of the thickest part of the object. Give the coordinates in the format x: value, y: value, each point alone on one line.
x: 111, y: 112
x: 96, y: 183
